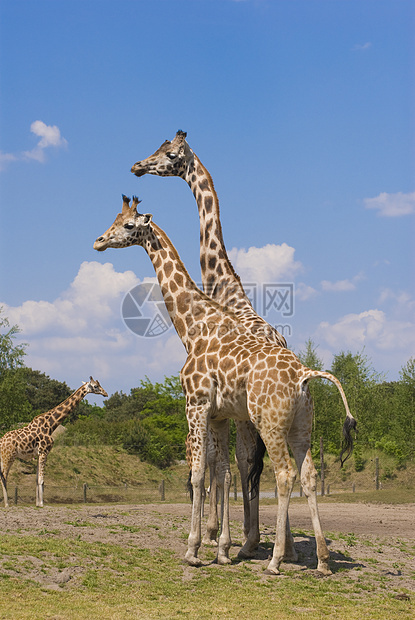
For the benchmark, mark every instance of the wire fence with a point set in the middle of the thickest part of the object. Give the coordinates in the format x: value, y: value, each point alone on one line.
x: 149, y: 493
x: 86, y: 493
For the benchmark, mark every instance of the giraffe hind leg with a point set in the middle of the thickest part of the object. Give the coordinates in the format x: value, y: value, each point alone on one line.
x: 285, y: 477
x: 4, y: 472
x: 299, y: 441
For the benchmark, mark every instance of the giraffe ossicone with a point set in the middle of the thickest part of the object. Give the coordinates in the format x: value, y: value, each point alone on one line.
x: 230, y: 373
x: 36, y: 438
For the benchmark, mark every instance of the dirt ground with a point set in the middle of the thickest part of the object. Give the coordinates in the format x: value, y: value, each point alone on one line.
x: 374, y: 538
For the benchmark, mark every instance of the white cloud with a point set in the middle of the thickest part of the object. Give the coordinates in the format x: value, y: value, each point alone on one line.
x: 6, y: 158
x: 392, y: 205
x: 362, y: 47
x: 88, y: 302
x: 371, y: 329
x: 81, y: 333
x: 342, y: 285
x: 271, y: 263
x: 303, y: 292
x: 50, y: 136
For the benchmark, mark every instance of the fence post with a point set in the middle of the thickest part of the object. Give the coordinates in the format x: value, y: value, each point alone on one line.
x: 85, y: 488
x: 162, y: 491
x: 235, y: 489
x: 15, y: 496
x: 322, y: 465
x: 328, y: 489
x: 301, y: 489
x: 354, y: 488
x: 377, y: 473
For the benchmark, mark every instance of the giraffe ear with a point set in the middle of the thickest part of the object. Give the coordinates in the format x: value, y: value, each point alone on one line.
x: 147, y: 218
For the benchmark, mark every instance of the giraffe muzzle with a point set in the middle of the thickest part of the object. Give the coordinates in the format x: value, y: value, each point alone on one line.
x: 138, y: 170
x: 101, y: 244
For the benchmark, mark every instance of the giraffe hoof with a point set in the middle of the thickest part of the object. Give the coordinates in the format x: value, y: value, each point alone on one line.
x: 246, y: 553
x: 291, y: 556
x: 273, y: 571
x: 192, y: 560
x: 223, y: 559
x: 324, y: 569
x: 210, y: 542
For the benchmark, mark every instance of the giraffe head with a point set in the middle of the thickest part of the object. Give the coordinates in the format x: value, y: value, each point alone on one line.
x: 170, y: 160
x: 93, y: 387
x: 129, y: 228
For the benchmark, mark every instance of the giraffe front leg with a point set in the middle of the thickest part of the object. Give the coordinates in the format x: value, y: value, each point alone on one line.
x: 212, y: 526
x: 220, y: 430
x: 197, y: 420
x: 40, y: 479
x: 3, y: 477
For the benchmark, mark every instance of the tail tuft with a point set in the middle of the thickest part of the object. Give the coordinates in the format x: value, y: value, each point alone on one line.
x: 189, y: 486
x: 257, y: 467
x: 349, y: 425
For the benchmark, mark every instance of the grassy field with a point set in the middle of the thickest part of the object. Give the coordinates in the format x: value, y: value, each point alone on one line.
x: 83, y: 561
x: 98, y: 565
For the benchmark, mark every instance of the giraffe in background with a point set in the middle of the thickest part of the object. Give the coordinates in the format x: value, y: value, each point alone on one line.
x: 230, y: 373
x: 35, y: 439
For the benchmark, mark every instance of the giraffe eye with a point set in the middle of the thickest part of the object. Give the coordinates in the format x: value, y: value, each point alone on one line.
x: 129, y: 226
x: 172, y: 155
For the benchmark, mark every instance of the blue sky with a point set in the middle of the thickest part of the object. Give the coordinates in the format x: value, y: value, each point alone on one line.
x: 301, y: 111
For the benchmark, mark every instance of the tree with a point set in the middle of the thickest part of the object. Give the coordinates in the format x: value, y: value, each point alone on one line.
x: 44, y: 393
x: 321, y: 396
x: 11, y: 355
x: 404, y: 410
x: 13, y: 403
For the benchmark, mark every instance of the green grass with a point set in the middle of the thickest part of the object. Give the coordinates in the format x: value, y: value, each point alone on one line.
x: 111, y: 581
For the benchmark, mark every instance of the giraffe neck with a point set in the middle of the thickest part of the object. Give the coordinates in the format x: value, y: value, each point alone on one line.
x: 220, y: 281
x: 190, y: 310
x: 218, y: 275
x: 55, y: 416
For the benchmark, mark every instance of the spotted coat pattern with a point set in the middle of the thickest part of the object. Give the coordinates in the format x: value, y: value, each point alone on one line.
x: 230, y: 373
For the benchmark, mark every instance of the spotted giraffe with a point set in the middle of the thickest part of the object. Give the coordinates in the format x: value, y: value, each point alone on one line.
x: 35, y: 439
x: 230, y: 373
x: 220, y: 282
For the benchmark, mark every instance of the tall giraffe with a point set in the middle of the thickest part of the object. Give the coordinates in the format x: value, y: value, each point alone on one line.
x: 35, y: 439
x: 220, y: 282
x: 230, y: 373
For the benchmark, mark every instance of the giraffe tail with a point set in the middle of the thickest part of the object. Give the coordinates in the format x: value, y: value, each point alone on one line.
x: 3, y: 479
x: 256, y: 467
x: 189, y: 485
x: 350, y: 422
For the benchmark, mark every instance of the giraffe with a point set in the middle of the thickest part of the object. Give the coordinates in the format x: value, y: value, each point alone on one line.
x: 220, y: 282
x: 230, y: 373
x: 35, y: 439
